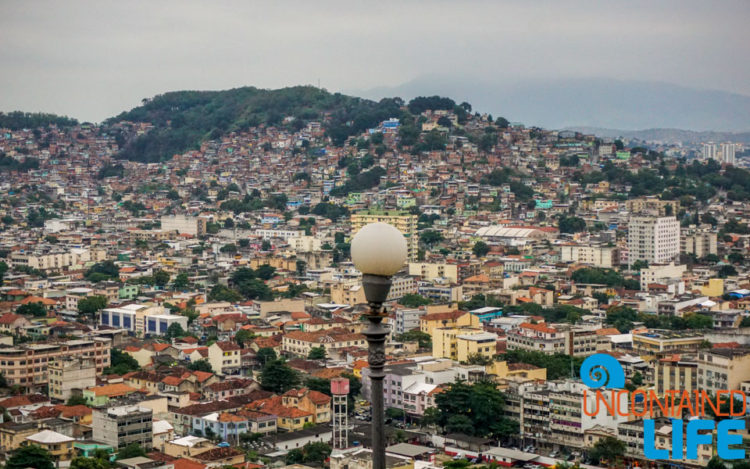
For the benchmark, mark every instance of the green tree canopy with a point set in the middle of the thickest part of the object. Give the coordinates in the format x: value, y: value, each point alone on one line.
x: 133, y: 450
x: 30, y: 456
x: 413, y: 300
x: 278, y: 377
x: 480, y: 249
x: 92, y: 304
x: 201, y: 365
x: 317, y: 353
x: 121, y: 362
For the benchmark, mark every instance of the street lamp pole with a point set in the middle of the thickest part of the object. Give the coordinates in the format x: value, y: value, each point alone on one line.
x: 378, y: 250
x: 377, y: 287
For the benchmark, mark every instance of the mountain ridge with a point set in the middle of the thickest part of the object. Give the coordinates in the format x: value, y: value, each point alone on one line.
x: 587, y: 102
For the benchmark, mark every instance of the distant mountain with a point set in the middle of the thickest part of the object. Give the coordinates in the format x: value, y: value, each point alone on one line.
x: 592, y: 102
x: 666, y: 135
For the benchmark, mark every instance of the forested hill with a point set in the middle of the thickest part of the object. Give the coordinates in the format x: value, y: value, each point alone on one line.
x: 183, y: 119
x: 17, y: 120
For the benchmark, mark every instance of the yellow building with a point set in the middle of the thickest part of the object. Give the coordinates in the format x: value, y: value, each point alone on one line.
x: 59, y: 446
x: 430, y: 321
x: 714, y: 287
x: 404, y: 221
x: 503, y: 370
x: 654, y: 342
x: 460, y: 343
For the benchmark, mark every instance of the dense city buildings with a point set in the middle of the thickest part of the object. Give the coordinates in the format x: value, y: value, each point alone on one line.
x: 185, y: 295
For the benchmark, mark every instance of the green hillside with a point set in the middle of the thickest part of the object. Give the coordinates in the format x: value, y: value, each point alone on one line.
x: 184, y: 119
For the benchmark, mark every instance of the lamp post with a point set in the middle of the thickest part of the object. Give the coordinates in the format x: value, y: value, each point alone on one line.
x: 378, y: 250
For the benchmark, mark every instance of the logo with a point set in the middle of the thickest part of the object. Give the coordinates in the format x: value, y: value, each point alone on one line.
x: 604, y: 374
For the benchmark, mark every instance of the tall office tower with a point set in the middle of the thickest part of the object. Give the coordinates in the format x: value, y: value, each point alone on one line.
x: 653, y: 239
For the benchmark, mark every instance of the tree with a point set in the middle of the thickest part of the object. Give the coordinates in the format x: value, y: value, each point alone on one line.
x: 255, y: 289
x: 266, y: 355
x: 121, y: 363
x: 726, y: 271
x: 316, y: 452
x: 221, y: 293
x: 106, y: 270
x: 3, y: 269
x: 301, y: 267
x: 89, y: 463
x: 175, y: 331
x: 430, y: 237
x: 717, y: 463
x: 294, y: 456
x: 36, y: 309
x: 161, y: 278
x: 571, y: 224
x: 265, y: 271
x: 181, y: 281
x: 317, y: 353
x: 201, y: 365
x: 414, y: 300
x: 76, y: 400
x: 319, y: 384
x: 609, y: 448
x: 243, y: 337
x: 133, y: 450
x: 278, y: 377
x: 459, y: 424
x: 424, y: 339
x: 30, y: 456
x: 481, y: 403
x: 637, y: 378
x: 480, y: 249
x: 92, y: 304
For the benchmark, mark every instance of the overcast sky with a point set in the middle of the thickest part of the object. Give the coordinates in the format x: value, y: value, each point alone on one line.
x: 93, y: 59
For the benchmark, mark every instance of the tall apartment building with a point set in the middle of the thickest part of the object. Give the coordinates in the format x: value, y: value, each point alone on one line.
x: 124, y: 425
x: 724, y: 152
x: 404, y: 221
x: 723, y: 368
x: 598, y: 256
x: 27, y: 365
x: 700, y: 242
x: 69, y: 374
x: 653, y: 239
x: 183, y: 224
x: 728, y: 153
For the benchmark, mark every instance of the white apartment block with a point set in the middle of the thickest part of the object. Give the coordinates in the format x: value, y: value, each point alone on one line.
x: 183, y: 224
x: 598, y: 256
x: 408, y: 319
x: 55, y: 260
x: 281, y: 234
x: 701, y: 243
x: 653, y: 239
x: 661, y: 274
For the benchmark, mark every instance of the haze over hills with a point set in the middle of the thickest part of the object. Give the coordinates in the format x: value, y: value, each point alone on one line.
x: 588, y: 102
x: 671, y: 136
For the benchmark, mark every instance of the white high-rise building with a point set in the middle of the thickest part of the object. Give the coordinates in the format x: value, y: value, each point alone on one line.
x: 727, y: 153
x: 653, y: 239
x: 710, y: 151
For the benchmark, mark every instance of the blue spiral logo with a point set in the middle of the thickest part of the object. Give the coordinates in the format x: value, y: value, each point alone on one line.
x: 602, y: 370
